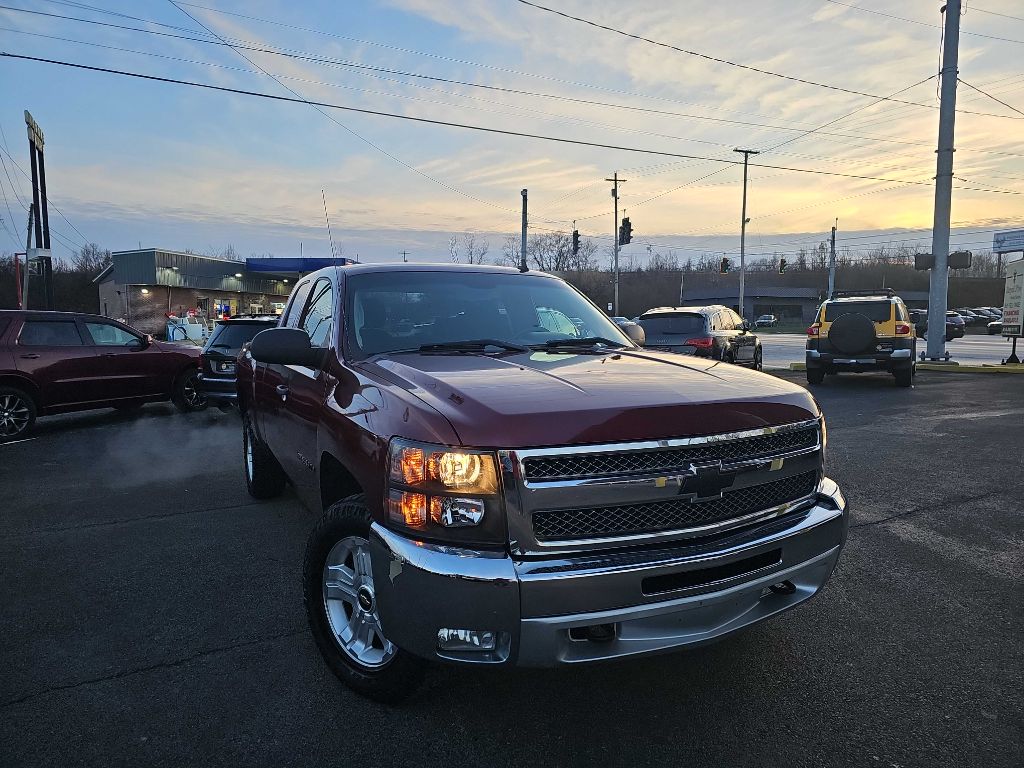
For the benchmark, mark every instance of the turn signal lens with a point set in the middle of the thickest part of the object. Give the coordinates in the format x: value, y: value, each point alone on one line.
x: 408, y: 509
x: 407, y: 466
x: 813, y: 330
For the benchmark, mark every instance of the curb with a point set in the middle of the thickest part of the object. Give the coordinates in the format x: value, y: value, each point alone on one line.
x: 988, y: 368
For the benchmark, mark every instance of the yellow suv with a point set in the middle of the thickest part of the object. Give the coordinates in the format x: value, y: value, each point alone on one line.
x: 859, y: 331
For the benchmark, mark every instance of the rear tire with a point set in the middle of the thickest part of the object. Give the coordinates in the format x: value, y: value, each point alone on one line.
x: 17, y: 414
x: 758, y: 360
x: 905, y: 377
x: 264, y: 477
x: 187, y: 396
x: 815, y: 375
x: 376, y: 669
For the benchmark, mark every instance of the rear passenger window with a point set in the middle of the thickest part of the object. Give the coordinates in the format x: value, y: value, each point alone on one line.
x: 876, y: 311
x: 50, y: 333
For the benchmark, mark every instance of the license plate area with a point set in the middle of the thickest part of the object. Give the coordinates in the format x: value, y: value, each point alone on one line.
x: 225, y: 367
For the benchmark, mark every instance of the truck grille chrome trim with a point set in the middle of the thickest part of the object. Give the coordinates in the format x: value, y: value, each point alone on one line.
x: 670, y: 455
x: 674, y: 514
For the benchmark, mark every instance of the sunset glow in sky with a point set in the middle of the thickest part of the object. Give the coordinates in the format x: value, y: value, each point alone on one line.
x: 133, y: 161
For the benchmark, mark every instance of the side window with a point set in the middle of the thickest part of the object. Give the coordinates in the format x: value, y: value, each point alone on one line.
x: 901, y: 312
x: 723, y: 322
x: 298, y: 302
x: 50, y: 333
x: 319, y: 318
x: 737, y: 321
x: 107, y: 335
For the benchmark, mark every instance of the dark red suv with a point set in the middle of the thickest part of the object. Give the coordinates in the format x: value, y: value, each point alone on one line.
x: 56, y: 362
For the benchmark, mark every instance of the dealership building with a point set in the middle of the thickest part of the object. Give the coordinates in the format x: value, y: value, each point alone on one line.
x: 145, y: 286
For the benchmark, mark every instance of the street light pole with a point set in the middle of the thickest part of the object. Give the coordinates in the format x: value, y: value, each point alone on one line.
x: 743, y: 225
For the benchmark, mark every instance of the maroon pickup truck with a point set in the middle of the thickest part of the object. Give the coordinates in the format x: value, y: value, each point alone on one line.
x: 502, y: 487
x: 57, y: 362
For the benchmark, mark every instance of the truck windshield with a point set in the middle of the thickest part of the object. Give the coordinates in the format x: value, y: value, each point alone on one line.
x: 392, y: 311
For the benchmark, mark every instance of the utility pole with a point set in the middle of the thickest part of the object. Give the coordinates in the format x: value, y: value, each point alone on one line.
x: 832, y: 262
x: 523, y: 266
x: 939, y: 281
x: 615, y: 233
x: 743, y: 224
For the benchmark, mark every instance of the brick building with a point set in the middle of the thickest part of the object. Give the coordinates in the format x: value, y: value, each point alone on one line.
x: 143, y: 287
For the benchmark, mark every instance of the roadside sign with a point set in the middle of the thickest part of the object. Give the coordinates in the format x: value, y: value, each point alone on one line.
x: 1013, y: 298
x: 1008, y: 242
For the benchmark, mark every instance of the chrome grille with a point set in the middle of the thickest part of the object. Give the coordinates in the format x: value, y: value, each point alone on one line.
x: 674, y: 514
x: 584, y: 465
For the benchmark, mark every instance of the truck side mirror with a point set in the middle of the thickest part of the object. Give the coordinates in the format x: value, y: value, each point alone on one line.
x: 285, y: 346
x: 635, y: 332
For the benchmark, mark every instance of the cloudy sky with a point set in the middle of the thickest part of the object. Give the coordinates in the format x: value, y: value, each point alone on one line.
x: 132, y: 161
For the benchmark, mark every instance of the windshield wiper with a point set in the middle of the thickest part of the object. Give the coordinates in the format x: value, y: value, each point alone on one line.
x: 473, y: 345
x: 222, y: 346
x: 583, y: 341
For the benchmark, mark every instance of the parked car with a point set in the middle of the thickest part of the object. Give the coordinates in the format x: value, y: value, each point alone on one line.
x: 714, y: 331
x: 766, y: 321
x: 57, y: 362
x: 857, y: 331
x: 995, y: 327
x: 497, y: 494
x: 217, y: 360
x: 970, y: 318
x: 985, y: 312
x: 954, y: 323
x: 631, y: 328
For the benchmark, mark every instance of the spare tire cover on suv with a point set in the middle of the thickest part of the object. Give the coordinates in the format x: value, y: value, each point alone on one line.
x: 852, y: 334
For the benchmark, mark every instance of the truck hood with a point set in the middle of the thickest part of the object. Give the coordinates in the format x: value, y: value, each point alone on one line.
x: 543, y: 399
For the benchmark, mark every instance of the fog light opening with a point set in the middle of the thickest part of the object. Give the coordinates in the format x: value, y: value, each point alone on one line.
x: 597, y: 633
x: 466, y: 640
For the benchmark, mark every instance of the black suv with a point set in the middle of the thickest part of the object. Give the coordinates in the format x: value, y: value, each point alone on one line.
x: 714, y: 331
x: 217, y: 361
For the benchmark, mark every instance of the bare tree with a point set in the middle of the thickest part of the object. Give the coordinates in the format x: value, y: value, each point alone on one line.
x: 472, y: 251
x: 89, y: 259
x: 510, y: 255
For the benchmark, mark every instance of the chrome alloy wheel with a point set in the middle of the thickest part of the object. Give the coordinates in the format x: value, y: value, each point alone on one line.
x: 351, y: 606
x: 14, y: 415
x: 190, y: 391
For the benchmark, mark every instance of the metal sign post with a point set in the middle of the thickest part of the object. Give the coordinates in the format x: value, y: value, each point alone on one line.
x: 41, y: 217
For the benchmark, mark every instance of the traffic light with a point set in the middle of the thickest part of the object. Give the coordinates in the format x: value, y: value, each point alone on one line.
x: 725, y: 265
x: 782, y: 266
x: 575, y: 242
x: 625, y: 232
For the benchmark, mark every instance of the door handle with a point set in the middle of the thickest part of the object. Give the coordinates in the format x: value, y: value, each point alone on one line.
x: 107, y: 354
x: 30, y: 356
x: 282, y: 390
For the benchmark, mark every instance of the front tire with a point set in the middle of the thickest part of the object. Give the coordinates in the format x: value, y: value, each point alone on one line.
x: 815, y: 375
x: 17, y: 414
x: 187, y: 395
x: 342, y: 612
x: 264, y: 477
x: 758, y: 360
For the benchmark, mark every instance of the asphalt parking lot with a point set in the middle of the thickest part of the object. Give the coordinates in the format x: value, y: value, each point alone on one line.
x: 152, y: 615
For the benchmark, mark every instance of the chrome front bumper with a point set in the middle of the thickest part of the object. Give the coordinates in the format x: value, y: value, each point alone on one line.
x: 681, y: 594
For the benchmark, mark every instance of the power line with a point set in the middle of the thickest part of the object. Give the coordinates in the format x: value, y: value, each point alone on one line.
x: 49, y: 200
x: 983, y: 93
x: 996, y: 13
x: 717, y: 60
x: 468, y: 126
x: 921, y: 23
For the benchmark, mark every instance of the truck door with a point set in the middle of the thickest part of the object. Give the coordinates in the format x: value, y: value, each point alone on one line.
x: 129, y: 365
x: 305, y: 392
x: 268, y: 380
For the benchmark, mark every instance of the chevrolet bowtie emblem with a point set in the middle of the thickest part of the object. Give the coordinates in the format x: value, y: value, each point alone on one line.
x: 705, y: 481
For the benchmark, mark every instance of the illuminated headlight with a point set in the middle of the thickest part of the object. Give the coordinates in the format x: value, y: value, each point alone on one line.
x: 465, y: 471
x: 447, y: 493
